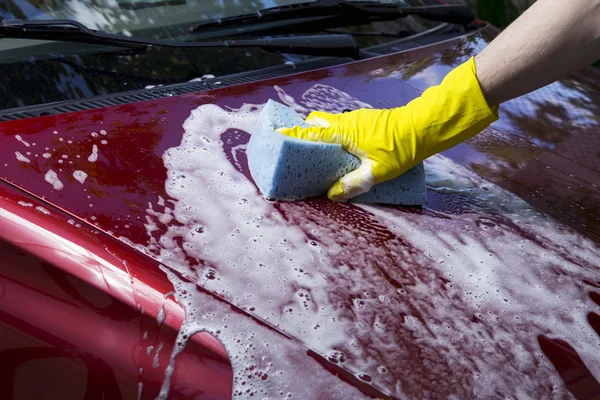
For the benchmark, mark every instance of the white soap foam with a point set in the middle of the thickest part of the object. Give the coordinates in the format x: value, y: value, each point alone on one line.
x: 156, y: 360
x: 20, y: 139
x: 52, y: 179
x: 42, y: 210
x: 423, y: 276
x: 160, y: 317
x: 80, y: 176
x: 265, y: 363
x: 21, y: 157
x: 94, y: 156
x: 202, y: 78
x: 24, y: 204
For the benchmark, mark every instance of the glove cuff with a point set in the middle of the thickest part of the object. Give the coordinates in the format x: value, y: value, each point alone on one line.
x: 456, y: 111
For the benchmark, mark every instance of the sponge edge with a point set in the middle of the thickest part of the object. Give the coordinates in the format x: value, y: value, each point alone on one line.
x: 286, y: 168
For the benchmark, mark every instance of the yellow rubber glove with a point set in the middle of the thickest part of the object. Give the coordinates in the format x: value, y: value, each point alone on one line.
x: 390, y: 142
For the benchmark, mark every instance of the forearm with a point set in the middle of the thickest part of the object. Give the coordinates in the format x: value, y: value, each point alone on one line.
x: 548, y: 41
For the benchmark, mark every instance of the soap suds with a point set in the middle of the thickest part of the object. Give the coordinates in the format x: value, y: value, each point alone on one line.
x: 42, y: 210
x: 265, y: 363
x: 466, y: 287
x: 20, y: 139
x: 52, y: 179
x: 80, y: 176
x: 160, y: 317
x: 156, y: 360
x: 21, y: 157
x: 94, y: 156
x: 202, y: 78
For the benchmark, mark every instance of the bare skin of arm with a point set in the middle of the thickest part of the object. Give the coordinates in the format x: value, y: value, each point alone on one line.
x: 548, y: 41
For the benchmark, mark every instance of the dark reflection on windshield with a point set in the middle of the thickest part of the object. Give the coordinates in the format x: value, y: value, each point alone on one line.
x: 37, y: 80
x: 38, y: 72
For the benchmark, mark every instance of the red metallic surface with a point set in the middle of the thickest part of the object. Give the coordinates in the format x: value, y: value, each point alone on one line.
x: 76, y: 301
x: 76, y: 306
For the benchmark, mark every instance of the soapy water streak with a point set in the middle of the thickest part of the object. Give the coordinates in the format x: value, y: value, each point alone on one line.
x: 260, y: 358
x: 400, y: 299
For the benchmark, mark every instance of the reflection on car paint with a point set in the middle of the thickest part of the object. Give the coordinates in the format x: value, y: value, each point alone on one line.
x: 442, y: 280
x: 44, y: 302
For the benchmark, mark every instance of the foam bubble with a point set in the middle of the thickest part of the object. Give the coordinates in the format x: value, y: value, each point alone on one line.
x: 160, y: 317
x: 52, y: 178
x: 21, y: 157
x: 94, y: 156
x: 42, y: 210
x: 80, y: 176
x: 156, y: 360
x: 20, y: 139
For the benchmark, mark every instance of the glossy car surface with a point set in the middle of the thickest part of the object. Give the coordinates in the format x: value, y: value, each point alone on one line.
x: 139, y: 259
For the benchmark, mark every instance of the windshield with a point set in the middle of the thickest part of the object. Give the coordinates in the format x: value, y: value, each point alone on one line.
x: 38, y: 72
x: 165, y: 19
x: 159, y: 18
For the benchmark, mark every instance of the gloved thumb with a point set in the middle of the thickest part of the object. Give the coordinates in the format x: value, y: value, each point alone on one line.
x: 321, y: 128
x: 312, y: 133
x: 359, y: 181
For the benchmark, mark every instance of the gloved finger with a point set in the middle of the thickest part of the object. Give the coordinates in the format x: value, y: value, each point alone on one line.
x: 322, y: 119
x: 314, y: 134
x: 359, y: 181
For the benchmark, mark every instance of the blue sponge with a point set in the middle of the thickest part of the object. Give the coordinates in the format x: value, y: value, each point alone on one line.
x: 286, y: 168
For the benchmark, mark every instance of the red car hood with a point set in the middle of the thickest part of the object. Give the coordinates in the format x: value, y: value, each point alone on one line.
x: 486, y: 291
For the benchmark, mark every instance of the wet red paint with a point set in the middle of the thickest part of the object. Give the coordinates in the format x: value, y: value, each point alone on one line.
x: 550, y: 162
x: 70, y: 325
x: 570, y: 366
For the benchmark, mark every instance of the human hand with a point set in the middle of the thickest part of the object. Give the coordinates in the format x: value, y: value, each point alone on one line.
x: 390, y: 142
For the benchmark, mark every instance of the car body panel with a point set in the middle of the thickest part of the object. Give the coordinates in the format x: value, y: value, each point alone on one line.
x: 476, y: 294
x: 70, y: 296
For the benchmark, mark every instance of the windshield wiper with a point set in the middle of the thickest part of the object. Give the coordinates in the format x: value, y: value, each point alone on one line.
x: 73, y: 31
x: 343, y: 12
